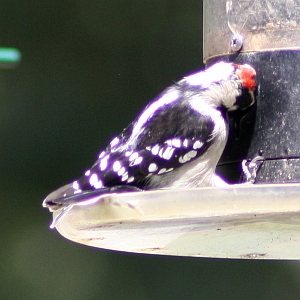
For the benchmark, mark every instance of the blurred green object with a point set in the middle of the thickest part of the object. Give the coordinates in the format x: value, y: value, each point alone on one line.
x: 9, y: 57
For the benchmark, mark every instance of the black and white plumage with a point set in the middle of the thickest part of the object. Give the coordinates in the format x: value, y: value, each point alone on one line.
x: 176, y: 141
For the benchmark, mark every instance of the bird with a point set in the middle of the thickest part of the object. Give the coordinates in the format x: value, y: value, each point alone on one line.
x: 174, y: 143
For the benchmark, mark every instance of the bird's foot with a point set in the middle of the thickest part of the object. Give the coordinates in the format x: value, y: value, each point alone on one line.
x: 250, y: 168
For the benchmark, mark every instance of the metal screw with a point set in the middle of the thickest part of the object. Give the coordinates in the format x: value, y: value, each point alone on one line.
x: 236, y: 42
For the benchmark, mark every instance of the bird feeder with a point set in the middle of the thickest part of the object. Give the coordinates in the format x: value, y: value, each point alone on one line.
x: 250, y: 221
x: 266, y: 35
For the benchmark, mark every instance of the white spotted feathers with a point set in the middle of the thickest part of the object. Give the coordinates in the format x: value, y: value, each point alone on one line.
x: 175, y: 142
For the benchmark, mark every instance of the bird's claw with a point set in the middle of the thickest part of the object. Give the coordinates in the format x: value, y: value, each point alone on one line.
x: 250, y: 168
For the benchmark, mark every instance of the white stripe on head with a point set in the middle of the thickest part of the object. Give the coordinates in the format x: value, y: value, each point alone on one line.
x: 218, y: 72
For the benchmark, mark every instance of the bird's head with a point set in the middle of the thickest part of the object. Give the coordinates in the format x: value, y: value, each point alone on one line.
x: 246, y: 74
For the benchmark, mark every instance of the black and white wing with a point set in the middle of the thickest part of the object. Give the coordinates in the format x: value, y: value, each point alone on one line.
x: 168, y: 134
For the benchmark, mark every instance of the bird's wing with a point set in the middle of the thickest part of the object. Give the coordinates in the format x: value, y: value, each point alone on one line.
x: 151, y: 145
x: 156, y: 143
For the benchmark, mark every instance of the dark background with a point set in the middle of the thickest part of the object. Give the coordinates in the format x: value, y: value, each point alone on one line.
x: 88, y: 67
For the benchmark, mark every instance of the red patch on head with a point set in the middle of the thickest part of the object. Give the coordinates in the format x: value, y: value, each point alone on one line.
x: 247, y: 75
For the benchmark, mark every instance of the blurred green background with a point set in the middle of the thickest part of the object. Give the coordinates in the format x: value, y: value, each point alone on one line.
x: 87, y: 68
